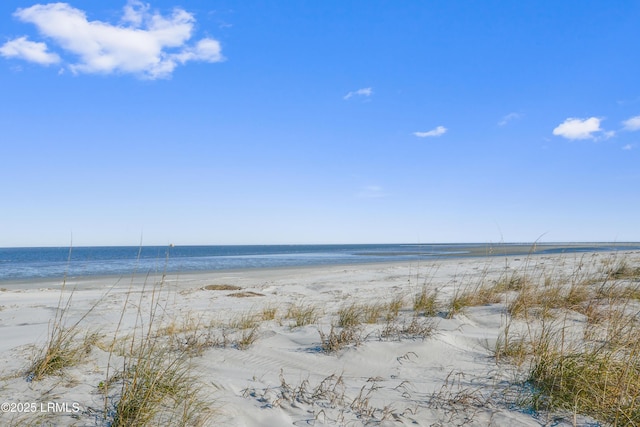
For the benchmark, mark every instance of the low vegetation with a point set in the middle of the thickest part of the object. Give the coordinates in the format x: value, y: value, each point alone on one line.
x: 339, y: 338
x: 573, y: 341
x: 302, y: 314
x: 579, y: 350
x: 426, y: 302
x: 155, y: 383
x: 67, y: 345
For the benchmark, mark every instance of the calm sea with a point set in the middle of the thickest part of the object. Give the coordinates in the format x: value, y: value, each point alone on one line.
x: 58, y: 262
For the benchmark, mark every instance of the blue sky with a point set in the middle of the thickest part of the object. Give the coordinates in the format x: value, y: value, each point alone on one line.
x: 260, y: 122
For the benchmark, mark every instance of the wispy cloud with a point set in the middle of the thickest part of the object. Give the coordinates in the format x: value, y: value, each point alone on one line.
x: 629, y: 101
x: 573, y: 128
x: 508, y: 118
x: 29, y: 51
x: 371, y: 192
x: 632, y: 124
x: 145, y: 43
x: 367, y: 91
x: 628, y: 147
x: 440, y: 130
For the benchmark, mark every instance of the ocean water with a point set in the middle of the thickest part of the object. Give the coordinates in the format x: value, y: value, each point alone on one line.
x: 59, y: 262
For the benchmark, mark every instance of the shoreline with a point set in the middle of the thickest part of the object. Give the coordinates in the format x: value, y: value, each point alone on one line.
x: 244, y: 357
x: 489, y: 251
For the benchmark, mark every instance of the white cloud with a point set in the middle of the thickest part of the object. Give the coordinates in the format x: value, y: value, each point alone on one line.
x: 632, y: 124
x: 573, y: 128
x: 367, y: 91
x: 30, y: 51
x: 134, y: 12
x: 509, y: 117
x: 146, y: 44
x: 440, y: 130
x: 628, y: 147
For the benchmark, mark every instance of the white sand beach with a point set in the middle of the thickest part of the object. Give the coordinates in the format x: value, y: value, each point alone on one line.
x: 258, y: 344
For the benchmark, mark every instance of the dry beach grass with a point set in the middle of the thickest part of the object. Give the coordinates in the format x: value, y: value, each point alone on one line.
x: 492, y: 341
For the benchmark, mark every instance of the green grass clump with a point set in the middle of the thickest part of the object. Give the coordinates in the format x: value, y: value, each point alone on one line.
x: 580, y: 350
x: 371, y: 313
x: 425, y: 302
x: 458, y: 303
x: 622, y: 269
x: 393, y: 307
x: 65, y: 348
x: 245, y: 321
x: 157, y: 388
x: 603, y: 385
x: 350, y: 316
x: 156, y: 384
x: 515, y: 350
x: 302, y: 315
x: 473, y: 297
x: 248, y: 337
x: 512, y: 282
x: 269, y: 312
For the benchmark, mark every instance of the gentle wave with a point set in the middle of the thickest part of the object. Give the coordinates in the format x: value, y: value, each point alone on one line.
x: 36, y: 263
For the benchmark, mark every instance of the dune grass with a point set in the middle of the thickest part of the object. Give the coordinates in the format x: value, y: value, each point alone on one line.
x: 393, y: 307
x: 157, y: 387
x: 268, y: 312
x: 426, y: 302
x: 340, y: 337
x: 579, y: 351
x: 573, y: 339
x: 302, y: 314
x: 66, y: 345
x: 350, y: 315
x: 155, y: 384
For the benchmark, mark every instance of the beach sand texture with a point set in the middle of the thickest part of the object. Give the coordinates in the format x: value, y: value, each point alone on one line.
x: 378, y: 344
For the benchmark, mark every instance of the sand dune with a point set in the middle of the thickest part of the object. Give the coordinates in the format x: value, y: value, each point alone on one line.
x: 257, y: 364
